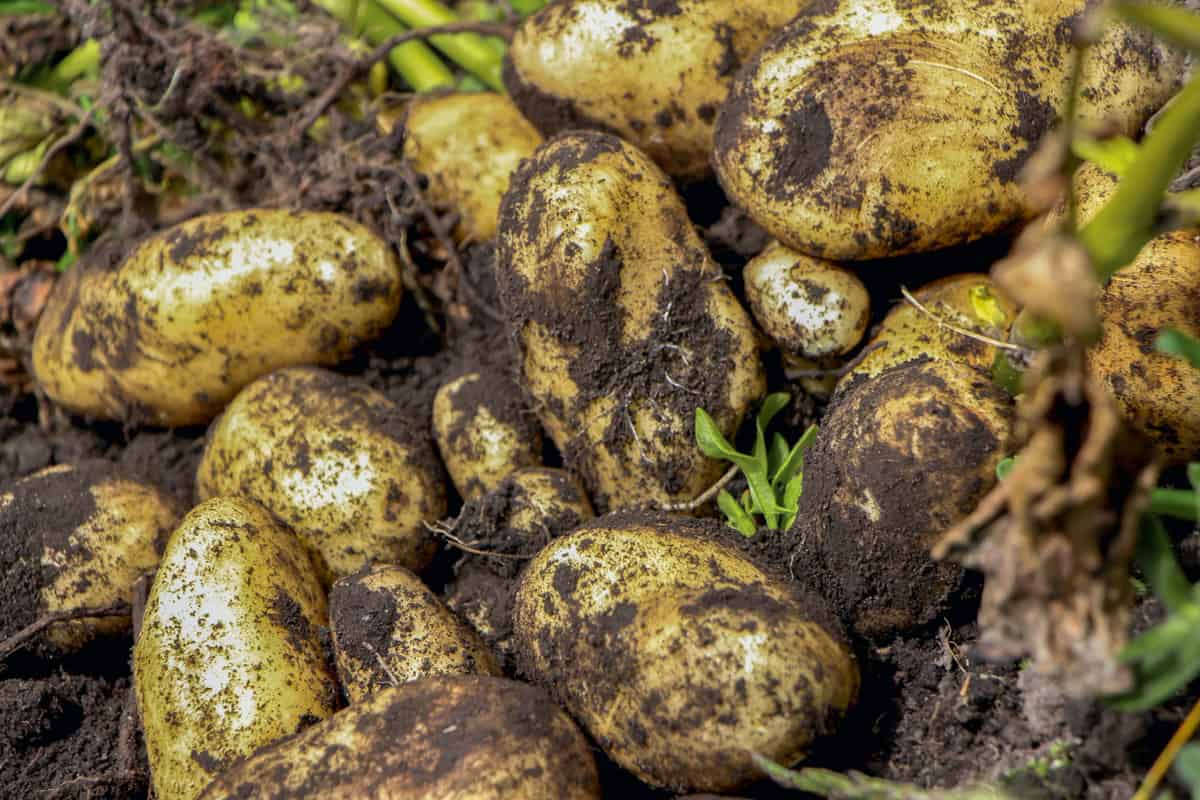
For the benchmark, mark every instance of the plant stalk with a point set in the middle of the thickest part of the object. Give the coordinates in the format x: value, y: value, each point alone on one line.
x: 469, y: 50
x: 413, y: 61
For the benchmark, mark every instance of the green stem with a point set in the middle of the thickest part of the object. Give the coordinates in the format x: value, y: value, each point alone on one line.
x: 469, y: 50
x: 415, y: 62
x: 81, y: 61
x: 1177, y: 503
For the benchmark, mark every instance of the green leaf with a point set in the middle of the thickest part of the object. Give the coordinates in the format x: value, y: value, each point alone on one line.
x: 712, y: 442
x: 777, y: 453
x: 1178, y: 343
x: 771, y: 406
x: 1169, y: 676
x: 791, y: 497
x: 1177, y: 25
x: 1115, y: 154
x: 735, y: 515
x: 758, y: 473
x: 795, y: 459
x: 1156, y: 557
x: 1005, y: 467
x: 1187, y: 767
x: 13, y: 8
x: 857, y: 786
x: 1177, y: 503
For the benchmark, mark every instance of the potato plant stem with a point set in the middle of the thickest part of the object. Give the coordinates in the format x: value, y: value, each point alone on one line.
x: 1158, y: 770
x: 468, y: 50
x: 413, y: 61
x: 1176, y: 503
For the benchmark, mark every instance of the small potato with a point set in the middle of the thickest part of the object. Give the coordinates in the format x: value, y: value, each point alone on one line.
x: 677, y: 654
x: 484, y: 431
x: 77, y: 537
x: 899, y: 458
x: 229, y: 657
x: 335, y: 460
x: 198, y: 311
x: 442, y: 738
x: 870, y: 128
x: 809, y: 307
x: 624, y: 324
x: 467, y: 145
x: 389, y: 629
x: 652, y: 73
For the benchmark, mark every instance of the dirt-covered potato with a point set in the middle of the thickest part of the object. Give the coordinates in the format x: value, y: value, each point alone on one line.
x: 200, y: 310
x: 352, y: 474
x: 869, y: 128
x: 77, y: 537
x: 679, y: 655
x: 460, y: 737
x: 809, y: 307
x: 467, y: 144
x: 623, y: 321
x: 229, y: 657
x: 484, y: 431
x: 899, y: 458
x: 969, y: 301
x: 389, y: 629
x: 652, y: 73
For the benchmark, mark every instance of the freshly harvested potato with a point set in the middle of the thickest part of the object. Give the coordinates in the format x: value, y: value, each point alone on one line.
x: 389, y: 629
x: 337, y: 461
x: 870, y: 128
x: 467, y: 145
x: 652, y: 73
x: 443, y: 738
x: 809, y: 307
x: 899, y: 458
x: 198, y: 311
x: 678, y: 654
x: 623, y: 321
x: 77, y: 537
x: 484, y: 431
x: 229, y: 657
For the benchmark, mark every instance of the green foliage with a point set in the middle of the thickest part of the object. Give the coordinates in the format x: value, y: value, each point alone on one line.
x: 774, y: 471
x: 1179, y: 344
x: 12, y: 8
x: 1187, y: 768
x: 856, y: 786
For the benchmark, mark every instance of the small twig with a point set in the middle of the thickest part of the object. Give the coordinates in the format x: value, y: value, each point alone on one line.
x: 66, y: 140
x: 383, y: 664
x: 979, y: 337
x: 447, y: 533
x: 66, y: 788
x: 25, y: 635
x: 837, y: 372
x: 1158, y: 770
x: 708, y: 494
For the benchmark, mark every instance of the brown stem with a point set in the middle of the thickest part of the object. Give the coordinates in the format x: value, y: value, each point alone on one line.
x: 25, y: 635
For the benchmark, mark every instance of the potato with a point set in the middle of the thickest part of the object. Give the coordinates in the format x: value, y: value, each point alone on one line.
x: 229, y: 657
x: 899, y: 458
x: 484, y: 431
x: 467, y: 145
x: 389, y: 629
x: 677, y: 654
x: 337, y: 461
x: 78, y: 537
x: 651, y: 73
x: 870, y: 128
x: 443, y: 738
x: 198, y: 311
x: 623, y: 321
x: 809, y: 307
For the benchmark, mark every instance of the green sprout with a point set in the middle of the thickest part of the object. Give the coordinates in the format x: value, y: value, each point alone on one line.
x: 774, y: 472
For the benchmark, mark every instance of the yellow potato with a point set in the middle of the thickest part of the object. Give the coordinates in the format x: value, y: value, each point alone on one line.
x: 676, y: 653
x: 229, y: 657
x: 624, y: 323
x: 198, y: 311
x: 335, y: 460
x: 443, y: 738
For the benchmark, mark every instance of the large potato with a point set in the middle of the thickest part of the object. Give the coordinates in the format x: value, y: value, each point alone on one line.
x: 198, y: 311
x: 443, y: 738
x: 623, y: 321
x: 869, y: 128
x: 337, y: 461
x: 78, y: 537
x: 677, y: 654
x: 899, y: 458
x: 229, y: 657
x: 652, y: 73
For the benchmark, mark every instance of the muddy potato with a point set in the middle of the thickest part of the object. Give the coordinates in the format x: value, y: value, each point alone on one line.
x: 442, y: 738
x: 678, y: 654
x: 651, y: 73
x: 389, y: 629
x: 78, y: 537
x: 809, y: 307
x: 352, y: 474
x: 899, y: 458
x: 229, y: 657
x: 467, y: 145
x: 869, y: 128
x: 484, y: 431
x: 622, y: 319
x: 196, y: 312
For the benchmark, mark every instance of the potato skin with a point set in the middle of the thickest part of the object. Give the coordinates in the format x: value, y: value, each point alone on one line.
x: 623, y: 323
x: 389, y: 628
x: 651, y: 73
x: 467, y: 144
x: 335, y: 460
x: 228, y: 658
x: 198, y: 311
x: 678, y: 654
x: 898, y: 459
x: 868, y: 128
x: 441, y: 738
